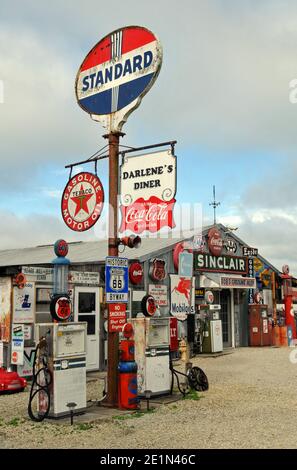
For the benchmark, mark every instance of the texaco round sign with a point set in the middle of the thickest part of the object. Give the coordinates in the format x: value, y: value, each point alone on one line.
x: 82, y: 201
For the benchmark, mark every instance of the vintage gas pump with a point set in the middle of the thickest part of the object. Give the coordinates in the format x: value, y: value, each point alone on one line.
x: 127, y: 370
x: 210, y: 325
x: 152, y: 342
x: 59, y: 373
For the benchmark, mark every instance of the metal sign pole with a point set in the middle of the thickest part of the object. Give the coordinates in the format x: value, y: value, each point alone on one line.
x: 113, y: 338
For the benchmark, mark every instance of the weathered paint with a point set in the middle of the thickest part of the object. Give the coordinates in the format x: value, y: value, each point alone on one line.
x: 117, y: 73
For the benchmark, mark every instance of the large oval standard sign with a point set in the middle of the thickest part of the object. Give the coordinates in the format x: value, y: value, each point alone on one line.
x: 82, y: 201
x: 118, y: 71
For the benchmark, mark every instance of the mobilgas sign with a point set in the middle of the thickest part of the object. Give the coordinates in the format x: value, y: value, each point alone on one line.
x: 119, y: 70
x: 230, y: 264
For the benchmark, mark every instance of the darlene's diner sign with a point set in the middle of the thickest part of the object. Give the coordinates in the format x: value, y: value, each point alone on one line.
x: 148, y: 186
x: 222, y: 263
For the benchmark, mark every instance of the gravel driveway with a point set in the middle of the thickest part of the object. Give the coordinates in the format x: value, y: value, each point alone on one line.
x: 251, y: 403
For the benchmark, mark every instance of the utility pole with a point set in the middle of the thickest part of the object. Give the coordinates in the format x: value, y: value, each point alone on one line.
x: 113, y: 338
x: 214, y: 204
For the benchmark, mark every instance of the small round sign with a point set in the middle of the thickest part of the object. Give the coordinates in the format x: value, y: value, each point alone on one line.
x: 61, y: 248
x: 118, y: 71
x: 60, y: 307
x: 135, y: 273
x: 148, y: 305
x: 82, y: 201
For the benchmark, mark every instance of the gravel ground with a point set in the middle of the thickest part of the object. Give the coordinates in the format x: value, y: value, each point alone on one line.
x: 251, y: 403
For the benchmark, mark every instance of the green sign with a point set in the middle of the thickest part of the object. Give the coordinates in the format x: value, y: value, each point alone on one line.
x: 222, y: 264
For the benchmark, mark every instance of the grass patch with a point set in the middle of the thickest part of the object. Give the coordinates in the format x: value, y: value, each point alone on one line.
x: 83, y: 426
x: 192, y: 395
x: 14, y: 422
x: 137, y: 414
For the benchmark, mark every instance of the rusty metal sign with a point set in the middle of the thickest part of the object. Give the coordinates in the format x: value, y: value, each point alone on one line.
x: 117, y: 73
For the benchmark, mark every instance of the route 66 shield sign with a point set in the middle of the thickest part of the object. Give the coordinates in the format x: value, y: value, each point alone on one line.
x: 116, y: 279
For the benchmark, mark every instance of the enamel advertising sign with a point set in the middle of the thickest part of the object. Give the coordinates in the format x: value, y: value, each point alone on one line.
x: 182, y: 302
x: 82, y: 201
x: 147, y: 188
x: 117, y: 73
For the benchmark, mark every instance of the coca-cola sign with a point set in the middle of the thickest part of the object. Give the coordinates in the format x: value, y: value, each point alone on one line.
x: 135, y: 273
x: 150, y: 215
x: 148, y: 186
x: 215, y: 241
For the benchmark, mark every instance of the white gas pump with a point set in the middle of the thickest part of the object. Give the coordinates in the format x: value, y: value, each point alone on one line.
x: 65, y: 373
x: 210, y: 328
x: 152, y: 340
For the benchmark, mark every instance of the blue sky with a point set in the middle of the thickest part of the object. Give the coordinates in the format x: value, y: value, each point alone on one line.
x: 222, y: 93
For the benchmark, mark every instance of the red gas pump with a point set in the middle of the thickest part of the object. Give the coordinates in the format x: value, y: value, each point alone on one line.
x: 288, y: 297
x: 128, y: 398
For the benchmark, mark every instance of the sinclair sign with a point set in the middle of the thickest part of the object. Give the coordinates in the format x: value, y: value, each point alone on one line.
x: 231, y: 264
x: 117, y: 73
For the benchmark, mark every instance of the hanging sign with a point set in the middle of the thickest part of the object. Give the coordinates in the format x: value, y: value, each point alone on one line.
x: 148, y: 187
x: 182, y: 302
x: 24, y: 303
x: 82, y: 201
x: 117, y: 73
x: 17, y: 344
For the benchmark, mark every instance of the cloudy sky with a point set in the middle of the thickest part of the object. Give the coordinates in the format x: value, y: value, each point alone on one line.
x: 226, y: 93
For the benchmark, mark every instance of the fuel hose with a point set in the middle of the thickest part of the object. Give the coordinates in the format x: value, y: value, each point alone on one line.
x: 40, y: 392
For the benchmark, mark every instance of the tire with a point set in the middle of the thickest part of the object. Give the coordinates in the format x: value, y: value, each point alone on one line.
x: 198, y: 379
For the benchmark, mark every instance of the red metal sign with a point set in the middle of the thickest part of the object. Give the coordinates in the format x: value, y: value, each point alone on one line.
x: 215, y: 241
x: 157, y: 269
x: 116, y: 318
x: 173, y: 334
x: 60, y: 307
x: 151, y: 215
x: 135, y: 273
x: 82, y: 201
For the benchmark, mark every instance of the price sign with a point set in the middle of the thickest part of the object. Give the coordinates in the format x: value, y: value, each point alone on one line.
x: 116, y: 279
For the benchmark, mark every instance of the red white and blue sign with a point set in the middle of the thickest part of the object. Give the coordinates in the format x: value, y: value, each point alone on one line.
x: 118, y: 71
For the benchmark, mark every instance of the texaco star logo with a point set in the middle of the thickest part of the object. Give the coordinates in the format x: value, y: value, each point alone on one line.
x: 82, y: 201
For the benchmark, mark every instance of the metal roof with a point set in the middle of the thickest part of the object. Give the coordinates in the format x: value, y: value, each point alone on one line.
x: 96, y: 251
x: 84, y: 252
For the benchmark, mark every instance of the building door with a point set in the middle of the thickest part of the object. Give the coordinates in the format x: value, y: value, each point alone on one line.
x: 87, y: 308
x: 225, y: 302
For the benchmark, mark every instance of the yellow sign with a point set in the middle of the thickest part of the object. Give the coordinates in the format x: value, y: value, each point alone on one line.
x: 258, y: 265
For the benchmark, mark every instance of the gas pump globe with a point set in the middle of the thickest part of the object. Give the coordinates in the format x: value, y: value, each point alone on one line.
x: 61, y: 268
